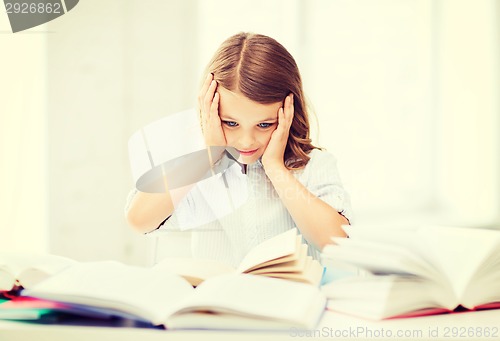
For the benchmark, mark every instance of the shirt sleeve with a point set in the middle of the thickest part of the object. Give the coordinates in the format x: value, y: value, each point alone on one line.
x: 130, y: 196
x: 192, y: 211
x: 323, y: 180
x: 183, y: 213
x: 198, y: 208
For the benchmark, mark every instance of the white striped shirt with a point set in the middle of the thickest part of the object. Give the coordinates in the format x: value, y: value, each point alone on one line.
x: 230, y: 213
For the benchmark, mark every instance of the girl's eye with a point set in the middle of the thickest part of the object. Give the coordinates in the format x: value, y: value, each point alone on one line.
x: 264, y: 125
x: 230, y: 123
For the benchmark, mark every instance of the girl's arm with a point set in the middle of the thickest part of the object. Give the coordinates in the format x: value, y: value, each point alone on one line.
x: 316, y: 220
x: 146, y: 211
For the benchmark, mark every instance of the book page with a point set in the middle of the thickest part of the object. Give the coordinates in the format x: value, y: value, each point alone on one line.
x: 445, y: 249
x: 483, y: 290
x: 379, y: 297
x: 7, y: 278
x: 198, y: 320
x: 295, y: 265
x: 312, y: 273
x: 280, y: 260
x: 379, y: 257
x: 459, y: 252
x: 259, y: 297
x: 399, y: 236
x: 144, y: 292
x: 279, y: 246
x: 194, y: 270
x: 29, y: 269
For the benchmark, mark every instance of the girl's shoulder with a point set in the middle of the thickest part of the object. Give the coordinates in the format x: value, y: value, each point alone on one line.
x: 320, y: 157
x: 320, y: 170
x: 320, y: 161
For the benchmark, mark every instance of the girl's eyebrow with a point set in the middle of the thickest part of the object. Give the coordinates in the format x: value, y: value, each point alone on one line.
x: 229, y: 118
x: 270, y: 119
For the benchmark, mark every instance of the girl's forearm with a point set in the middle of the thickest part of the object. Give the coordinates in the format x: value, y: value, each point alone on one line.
x: 148, y: 210
x: 317, y: 220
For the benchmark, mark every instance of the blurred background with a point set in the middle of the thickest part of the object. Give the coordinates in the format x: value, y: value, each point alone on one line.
x: 405, y: 92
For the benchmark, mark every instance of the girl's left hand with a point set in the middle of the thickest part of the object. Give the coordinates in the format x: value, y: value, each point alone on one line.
x: 274, y: 154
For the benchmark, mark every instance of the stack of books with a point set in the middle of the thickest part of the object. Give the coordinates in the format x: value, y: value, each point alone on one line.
x: 414, y: 271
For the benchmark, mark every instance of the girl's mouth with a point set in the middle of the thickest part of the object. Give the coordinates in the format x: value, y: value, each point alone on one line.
x: 247, y: 152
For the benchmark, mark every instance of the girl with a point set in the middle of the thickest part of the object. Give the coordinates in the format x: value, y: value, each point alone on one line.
x: 252, y: 100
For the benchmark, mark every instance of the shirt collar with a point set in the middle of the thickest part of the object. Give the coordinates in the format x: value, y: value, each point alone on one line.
x: 256, y: 165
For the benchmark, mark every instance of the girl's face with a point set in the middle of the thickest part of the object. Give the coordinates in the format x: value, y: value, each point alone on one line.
x: 247, y: 125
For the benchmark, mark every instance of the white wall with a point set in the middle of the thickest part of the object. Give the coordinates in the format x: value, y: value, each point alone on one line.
x: 406, y: 93
x: 369, y: 76
x: 114, y: 66
x: 23, y: 140
x: 468, y: 77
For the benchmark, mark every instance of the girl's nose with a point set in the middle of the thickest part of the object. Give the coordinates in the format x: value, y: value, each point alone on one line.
x: 246, y: 140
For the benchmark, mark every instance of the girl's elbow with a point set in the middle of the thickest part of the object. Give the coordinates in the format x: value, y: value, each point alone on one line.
x: 327, y: 239
x: 137, y: 222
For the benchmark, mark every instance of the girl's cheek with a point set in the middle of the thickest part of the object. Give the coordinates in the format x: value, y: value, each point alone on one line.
x: 229, y: 137
x: 267, y: 136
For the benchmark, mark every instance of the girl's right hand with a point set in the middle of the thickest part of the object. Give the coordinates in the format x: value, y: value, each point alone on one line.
x: 208, y: 102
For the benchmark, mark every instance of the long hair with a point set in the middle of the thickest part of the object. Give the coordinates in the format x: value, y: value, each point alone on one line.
x: 262, y: 70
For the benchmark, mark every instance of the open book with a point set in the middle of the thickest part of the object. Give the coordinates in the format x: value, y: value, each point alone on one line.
x: 232, y: 301
x: 410, y: 272
x: 25, y: 270
x: 283, y: 256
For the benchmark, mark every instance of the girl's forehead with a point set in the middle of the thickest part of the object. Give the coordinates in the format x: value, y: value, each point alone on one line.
x: 235, y: 106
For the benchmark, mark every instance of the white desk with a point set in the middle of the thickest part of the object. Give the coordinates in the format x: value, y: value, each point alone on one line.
x: 468, y: 325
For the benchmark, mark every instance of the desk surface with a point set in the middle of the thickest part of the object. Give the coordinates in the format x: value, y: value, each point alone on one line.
x: 484, y: 325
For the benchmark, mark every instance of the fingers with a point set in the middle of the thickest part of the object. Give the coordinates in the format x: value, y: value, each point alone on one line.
x: 208, y: 102
x: 214, y: 110
x: 204, y: 89
x: 209, y: 96
x: 281, y: 118
x: 285, y: 114
x: 289, y: 104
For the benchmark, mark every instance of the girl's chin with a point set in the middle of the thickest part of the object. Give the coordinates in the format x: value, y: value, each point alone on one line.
x: 246, y: 160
